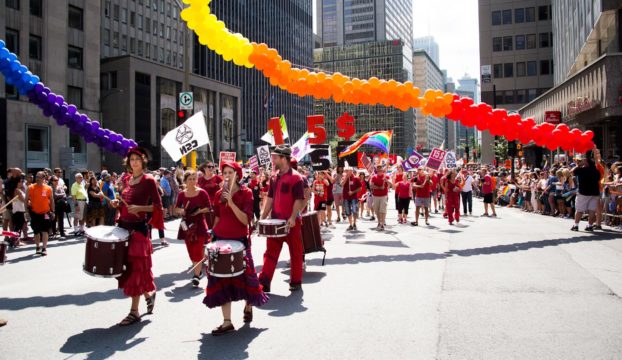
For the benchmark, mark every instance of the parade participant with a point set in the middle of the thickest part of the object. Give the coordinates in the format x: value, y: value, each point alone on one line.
x: 18, y: 218
x: 404, y: 194
x: 255, y: 187
x: 40, y: 200
x: 95, y: 207
x: 467, y: 192
x: 487, y: 191
x: 139, y: 196
x: 362, y: 194
x: 330, y: 199
x: 209, y: 182
x: 79, y: 195
x: 320, y: 192
x: 351, y: 186
x: 191, y: 204
x: 587, y: 199
x: 234, y: 212
x: 285, y: 201
x: 434, y: 189
x: 397, y: 177
x: 338, y: 192
x: 422, y: 185
x: 452, y: 196
x: 380, y: 184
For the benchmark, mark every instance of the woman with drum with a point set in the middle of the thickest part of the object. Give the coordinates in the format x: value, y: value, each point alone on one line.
x: 139, y: 196
x: 234, y: 211
x: 191, y: 204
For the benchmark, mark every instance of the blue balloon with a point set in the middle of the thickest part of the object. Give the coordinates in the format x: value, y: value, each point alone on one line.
x: 35, y: 79
x: 4, y: 53
x: 4, y: 63
x: 12, y: 57
x: 15, y: 65
x: 2, y: 44
x: 23, y: 69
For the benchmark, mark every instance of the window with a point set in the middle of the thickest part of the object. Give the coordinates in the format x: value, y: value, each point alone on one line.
x: 123, y: 42
x: 13, y: 4
x: 74, y: 57
x: 544, y: 40
x: 38, y: 139
x: 115, y: 40
x: 132, y: 45
x: 168, y: 32
x: 545, y: 68
x: 508, y: 70
x: 175, y: 36
x: 107, y: 8
x: 543, y: 13
x: 155, y: 52
x: 181, y: 37
x: 168, y: 57
x: 508, y: 97
x: 132, y: 18
x: 497, y: 71
x: 520, y: 42
x: 139, y: 22
x: 181, y: 61
x: 77, y: 143
x: 531, y: 41
x: 147, y: 24
x: 496, y: 44
x: 74, y: 96
x: 499, y: 97
x: 147, y: 50
x: 36, y: 8
x: 155, y: 5
x: 507, y: 17
x: 521, y: 96
x: 139, y: 47
x: 12, y: 40
x: 168, y: 9
x: 161, y: 6
x: 75, y: 18
x: 34, y: 47
x: 155, y: 27
x: 519, y: 16
x: 124, y: 15
x: 162, y: 30
x: 107, y: 37
x: 531, y: 94
x: 115, y: 12
x: 161, y: 55
x: 530, y: 14
x: 113, y: 80
x: 496, y: 17
x: 532, y: 68
x: 174, y: 59
x: 11, y: 92
x: 520, y: 69
x: 507, y: 43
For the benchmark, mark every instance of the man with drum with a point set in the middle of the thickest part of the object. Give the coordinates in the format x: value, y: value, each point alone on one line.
x: 285, y: 200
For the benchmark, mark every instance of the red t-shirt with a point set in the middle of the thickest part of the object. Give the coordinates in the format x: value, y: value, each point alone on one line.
x: 399, y: 177
x: 190, y: 204
x: 379, y: 180
x: 228, y: 226
x: 403, y: 190
x: 211, y: 186
x: 435, y: 179
x: 320, y: 190
x: 487, y: 189
x: 284, y: 190
x: 423, y: 192
x: 351, y: 185
x: 363, y: 190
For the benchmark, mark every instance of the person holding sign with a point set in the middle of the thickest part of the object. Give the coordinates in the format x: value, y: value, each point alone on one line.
x: 351, y: 185
x: 286, y: 199
x: 380, y: 185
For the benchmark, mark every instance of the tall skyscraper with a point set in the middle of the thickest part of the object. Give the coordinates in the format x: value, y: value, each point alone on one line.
x: 285, y: 25
x: 516, y: 55
x: 430, y: 131
x: 429, y: 45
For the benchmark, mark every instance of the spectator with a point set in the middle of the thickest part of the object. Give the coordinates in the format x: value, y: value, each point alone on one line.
x: 79, y: 195
x: 60, y: 206
x: 488, y: 189
x: 41, y: 203
x: 109, y: 192
x: 588, y: 194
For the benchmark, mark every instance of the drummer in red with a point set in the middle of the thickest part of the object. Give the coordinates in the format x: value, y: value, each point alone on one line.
x: 192, y: 203
x: 285, y: 201
x: 140, y: 196
x: 234, y: 213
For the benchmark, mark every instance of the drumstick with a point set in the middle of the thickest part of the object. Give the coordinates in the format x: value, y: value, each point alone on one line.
x: 195, y: 266
x: 110, y: 200
x: 7, y: 204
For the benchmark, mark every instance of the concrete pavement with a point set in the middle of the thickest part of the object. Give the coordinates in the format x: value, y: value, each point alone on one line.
x: 520, y: 286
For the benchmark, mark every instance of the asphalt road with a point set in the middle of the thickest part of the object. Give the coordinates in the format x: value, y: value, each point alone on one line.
x: 520, y: 286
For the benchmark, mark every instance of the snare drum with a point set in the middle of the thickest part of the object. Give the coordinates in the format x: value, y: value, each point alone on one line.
x: 3, y: 247
x: 311, y: 238
x: 225, y: 265
x: 272, y: 228
x: 106, y: 251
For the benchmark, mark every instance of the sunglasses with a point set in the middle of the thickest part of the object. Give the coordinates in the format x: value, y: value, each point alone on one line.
x: 210, y: 166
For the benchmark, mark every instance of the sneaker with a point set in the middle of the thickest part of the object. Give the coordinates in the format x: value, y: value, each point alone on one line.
x: 38, y: 251
x: 44, y: 252
x: 597, y: 227
x: 485, y: 215
x: 574, y: 228
x: 350, y: 228
x: 354, y: 227
x: 589, y: 228
x: 381, y: 227
x: 414, y: 223
x: 294, y: 287
x: 372, y: 218
x: 195, y: 281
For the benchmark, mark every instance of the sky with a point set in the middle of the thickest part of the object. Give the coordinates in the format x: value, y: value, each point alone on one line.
x: 454, y: 25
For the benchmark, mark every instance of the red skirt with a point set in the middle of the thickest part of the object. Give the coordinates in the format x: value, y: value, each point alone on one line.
x: 137, y: 279
x: 196, y: 248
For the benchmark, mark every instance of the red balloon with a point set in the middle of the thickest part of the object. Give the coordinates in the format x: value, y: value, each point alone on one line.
x: 589, y: 134
x: 457, y: 110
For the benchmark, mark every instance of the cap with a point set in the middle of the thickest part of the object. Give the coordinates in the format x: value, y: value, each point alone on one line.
x: 137, y: 150
x: 234, y: 165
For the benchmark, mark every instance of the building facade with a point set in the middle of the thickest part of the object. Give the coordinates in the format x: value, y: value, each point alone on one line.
x: 429, y: 45
x: 588, y: 81
x: 60, y: 44
x: 516, y: 55
x: 430, y: 131
x: 382, y: 59
x: 285, y: 25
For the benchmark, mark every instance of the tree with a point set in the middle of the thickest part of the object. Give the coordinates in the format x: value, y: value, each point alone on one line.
x: 501, y: 149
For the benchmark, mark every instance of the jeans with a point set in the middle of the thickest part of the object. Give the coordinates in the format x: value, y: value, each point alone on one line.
x: 467, y: 198
x: 350, y: 207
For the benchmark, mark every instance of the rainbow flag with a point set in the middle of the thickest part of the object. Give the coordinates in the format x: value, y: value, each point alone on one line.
x: 379, y: 139
x: 506, y: 191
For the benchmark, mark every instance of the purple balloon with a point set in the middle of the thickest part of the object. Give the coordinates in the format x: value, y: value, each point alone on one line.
x: 39, y: 88
x: 60, y: 99
x: 95, y: 125
x: 47, y: 112
x: 63, y: 109
x: 100, y: 132
x: 51, y: 98
x: 46, y: 91
x: 126, y: 143
x: 72, y: 109
x: 84, y: 118
x: 54, y: 108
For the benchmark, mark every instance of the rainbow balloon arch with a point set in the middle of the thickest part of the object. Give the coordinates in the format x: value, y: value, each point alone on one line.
x: 235, y: 47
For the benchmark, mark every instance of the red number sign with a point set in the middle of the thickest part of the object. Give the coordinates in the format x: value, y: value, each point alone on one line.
x: 345, y: 126
x: 274, y: 124
x: 315, y: 126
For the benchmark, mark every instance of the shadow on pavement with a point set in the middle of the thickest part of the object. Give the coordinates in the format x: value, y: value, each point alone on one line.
x: 378, y: 243
x: 309, y: 277
x: 104, y: 343
x: 450, y: 231
x: 233, y: 345
x: 51, y: 244
x: 280, y: 306
x: 183, y: 292
x: 60, y: 300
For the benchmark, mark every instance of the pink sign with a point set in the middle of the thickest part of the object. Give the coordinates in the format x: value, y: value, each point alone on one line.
x: 436, y: 158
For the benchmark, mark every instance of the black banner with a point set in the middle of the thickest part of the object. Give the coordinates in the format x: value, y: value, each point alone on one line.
x: 352, y: 159
x: 320, y: 157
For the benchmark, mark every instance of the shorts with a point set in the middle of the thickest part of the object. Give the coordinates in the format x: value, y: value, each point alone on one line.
x: 351, y: 207
x: 585, y: 203
x: 422, y: 202
x: 402, y: 205
x: 488, y: 198
x: 338, y: 199
x: 320, y: 206
x: 79, y: 210
x: 6, y: 214
x: 380, y: 204
x: 39, y: 223
x: 166, y: 201
x: 330, y: 202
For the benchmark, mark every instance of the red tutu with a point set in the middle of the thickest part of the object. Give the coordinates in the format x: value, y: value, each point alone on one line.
x: 138, y: 277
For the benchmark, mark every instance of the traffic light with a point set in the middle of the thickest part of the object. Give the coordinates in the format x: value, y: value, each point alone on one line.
x: 181, y: 117
x: 512, y: 148
x: 519, y: 150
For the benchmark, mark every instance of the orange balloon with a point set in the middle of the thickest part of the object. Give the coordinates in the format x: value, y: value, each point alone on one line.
x: 429, y: 95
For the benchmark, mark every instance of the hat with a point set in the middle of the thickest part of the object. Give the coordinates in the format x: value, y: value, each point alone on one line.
x: 234, y: 165
x: 138, y: 151
x: 282, y: 150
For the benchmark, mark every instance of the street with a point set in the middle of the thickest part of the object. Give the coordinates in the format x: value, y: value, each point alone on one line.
x: 520, y: 286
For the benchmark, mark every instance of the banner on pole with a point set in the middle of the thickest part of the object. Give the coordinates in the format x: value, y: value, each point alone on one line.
x: 263, y: 155
x: 226, y: 156
x: 188, y: 136
x: 436, y: 158
x: 450, y: 160
x: 253, y: 163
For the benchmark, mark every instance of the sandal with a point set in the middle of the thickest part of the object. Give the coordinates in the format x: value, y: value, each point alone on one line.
x: 129, y: 320
x: 164, y: 243
x: 151, y: 303
x: 222, y: 329
x: 248, y: 315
